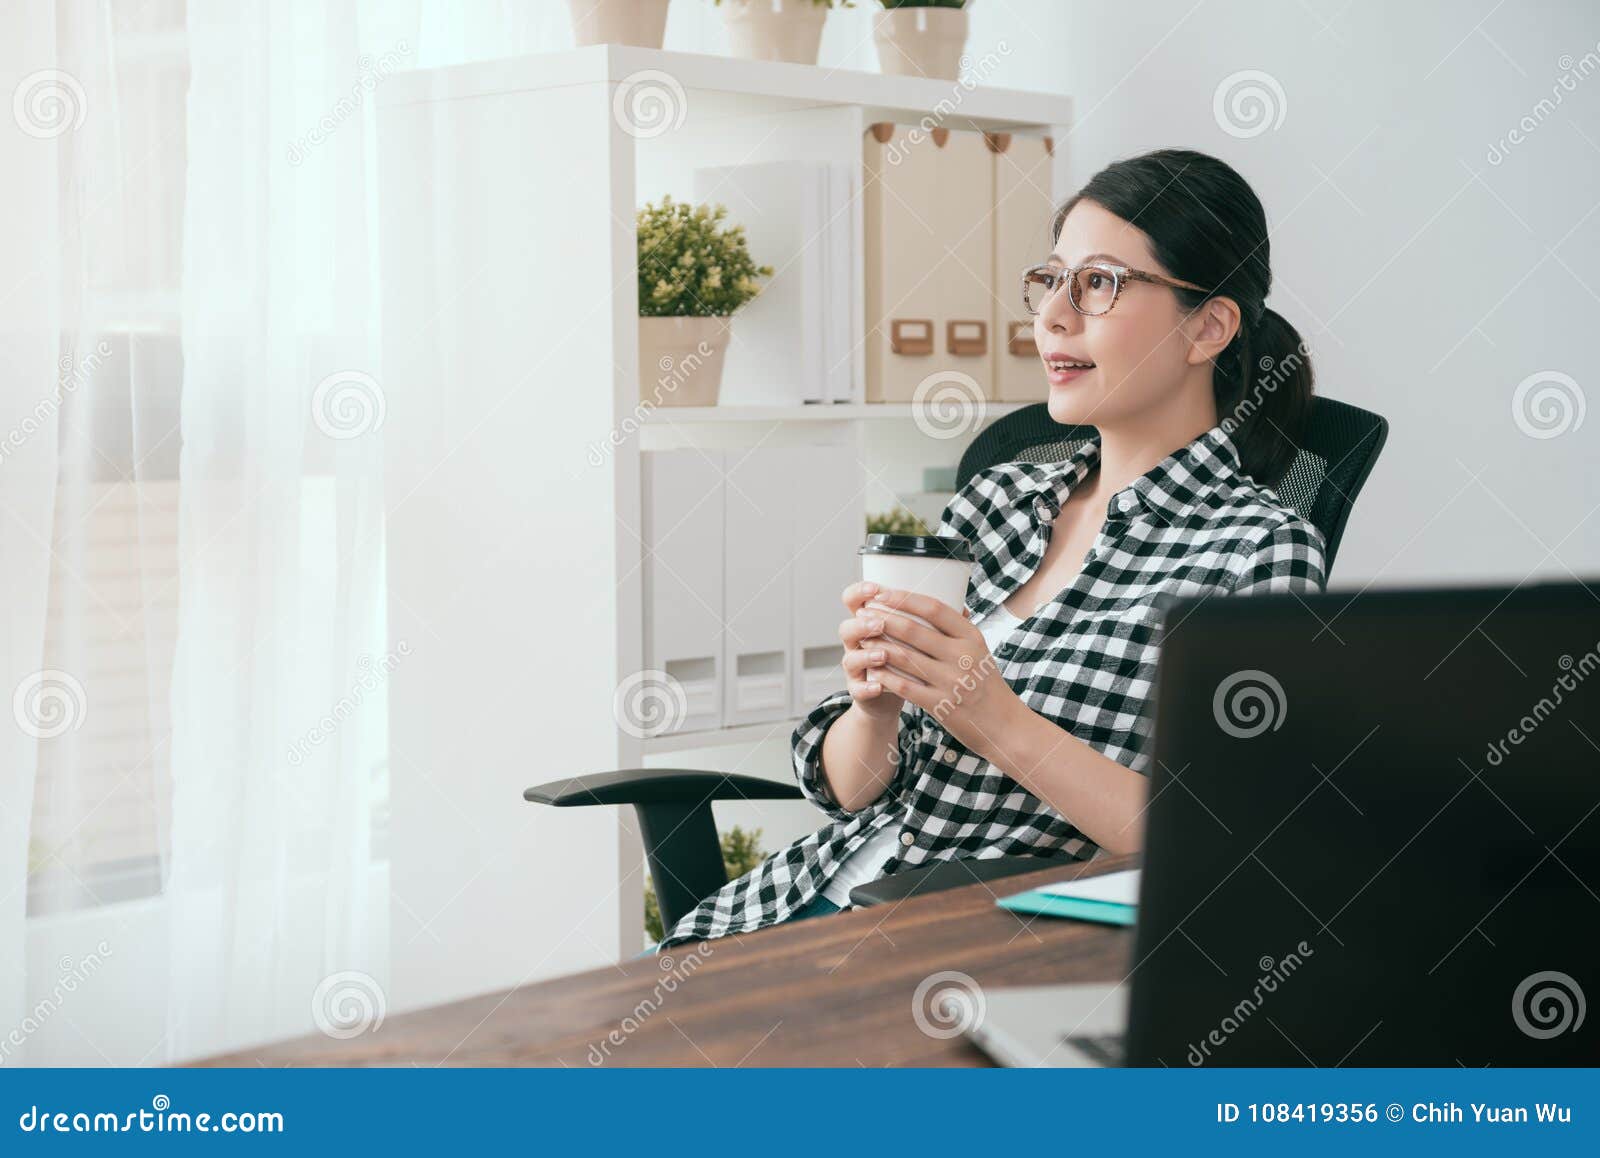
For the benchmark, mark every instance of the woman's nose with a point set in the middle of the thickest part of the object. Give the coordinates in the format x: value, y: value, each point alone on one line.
x: 1057, y: 315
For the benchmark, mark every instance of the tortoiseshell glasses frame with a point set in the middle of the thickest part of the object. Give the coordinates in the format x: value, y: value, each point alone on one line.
x: 1048, y: 278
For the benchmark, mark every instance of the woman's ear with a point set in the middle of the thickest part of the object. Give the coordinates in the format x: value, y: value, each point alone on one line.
x: 1211, y: 328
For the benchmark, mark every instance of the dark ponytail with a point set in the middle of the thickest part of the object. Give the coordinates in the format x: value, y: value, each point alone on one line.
x: 1206, y: 226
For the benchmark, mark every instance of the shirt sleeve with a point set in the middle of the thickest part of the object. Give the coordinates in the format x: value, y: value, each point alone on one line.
x: 1290, y: 559
x: 806, y: 745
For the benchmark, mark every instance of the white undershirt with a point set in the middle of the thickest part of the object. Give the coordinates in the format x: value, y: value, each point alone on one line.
x: 866, y: 863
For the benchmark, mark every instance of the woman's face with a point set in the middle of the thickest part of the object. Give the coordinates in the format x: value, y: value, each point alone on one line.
x: 1140, y: 350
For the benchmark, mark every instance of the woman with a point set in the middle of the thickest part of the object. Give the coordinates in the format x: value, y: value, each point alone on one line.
x: 1021, y: 723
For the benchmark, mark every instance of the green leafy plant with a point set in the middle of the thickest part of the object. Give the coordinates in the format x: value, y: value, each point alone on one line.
x: 741, y: 852
x: 897, y: 522
x: 690, y: 264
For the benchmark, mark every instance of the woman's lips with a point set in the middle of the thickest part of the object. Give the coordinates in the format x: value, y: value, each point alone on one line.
x: 1063, y: 377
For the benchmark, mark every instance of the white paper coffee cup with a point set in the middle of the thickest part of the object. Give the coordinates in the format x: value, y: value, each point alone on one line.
x: 935, y: 565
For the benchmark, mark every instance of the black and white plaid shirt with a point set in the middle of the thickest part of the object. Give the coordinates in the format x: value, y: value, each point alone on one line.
x: 1085, y: 659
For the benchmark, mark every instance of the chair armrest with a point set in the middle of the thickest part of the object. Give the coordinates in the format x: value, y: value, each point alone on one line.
x: 949, y: 874
x: 658, y: 786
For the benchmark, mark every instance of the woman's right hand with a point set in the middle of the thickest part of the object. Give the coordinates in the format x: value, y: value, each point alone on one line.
x: 862, y: 656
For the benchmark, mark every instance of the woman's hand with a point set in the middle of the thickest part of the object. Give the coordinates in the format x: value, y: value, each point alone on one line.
x: 864, y: 656
x: 957, y: 681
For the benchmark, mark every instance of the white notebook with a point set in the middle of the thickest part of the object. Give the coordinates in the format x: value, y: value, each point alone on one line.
x: 1120, y: 888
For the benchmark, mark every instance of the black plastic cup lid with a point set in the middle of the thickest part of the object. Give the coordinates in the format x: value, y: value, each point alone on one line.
x: 931, y: 546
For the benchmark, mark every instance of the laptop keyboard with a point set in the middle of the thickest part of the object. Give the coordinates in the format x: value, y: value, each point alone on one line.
x: 1104, y: 1048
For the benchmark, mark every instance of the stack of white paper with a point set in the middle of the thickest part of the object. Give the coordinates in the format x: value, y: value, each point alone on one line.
x: 792, y: 344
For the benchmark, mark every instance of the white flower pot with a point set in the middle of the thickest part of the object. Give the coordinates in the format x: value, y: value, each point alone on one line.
x: 921, y: 41
x: 775, y: 29
x: 680, y: 360
x: 641, y: 22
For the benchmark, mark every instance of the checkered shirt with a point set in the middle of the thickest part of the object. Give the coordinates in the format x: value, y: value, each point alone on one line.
x: 1086, y: 660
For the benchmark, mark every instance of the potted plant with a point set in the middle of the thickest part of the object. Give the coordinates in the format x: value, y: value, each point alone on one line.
x: 777, y: 29
x: 694, y: 272
x: 641, y: 22
x: 921, y: 37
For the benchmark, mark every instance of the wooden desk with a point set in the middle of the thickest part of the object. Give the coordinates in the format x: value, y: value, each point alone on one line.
x: 833, y: 990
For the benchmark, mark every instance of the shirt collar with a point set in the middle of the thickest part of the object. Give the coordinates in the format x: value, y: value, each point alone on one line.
x: 1167, y: 491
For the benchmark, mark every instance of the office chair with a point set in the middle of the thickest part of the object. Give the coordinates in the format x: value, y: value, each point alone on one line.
x: 1337, y: 453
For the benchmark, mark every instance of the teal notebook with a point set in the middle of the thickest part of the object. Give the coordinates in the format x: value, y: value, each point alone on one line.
x: 1111, y: 899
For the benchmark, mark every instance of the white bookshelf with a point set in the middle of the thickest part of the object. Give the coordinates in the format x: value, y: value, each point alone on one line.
x: 512, y: 457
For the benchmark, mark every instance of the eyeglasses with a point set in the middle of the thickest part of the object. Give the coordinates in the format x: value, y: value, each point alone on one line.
x: 1092, y: 288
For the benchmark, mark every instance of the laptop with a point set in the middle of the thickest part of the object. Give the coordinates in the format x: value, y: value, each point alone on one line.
x: 1373, y: 839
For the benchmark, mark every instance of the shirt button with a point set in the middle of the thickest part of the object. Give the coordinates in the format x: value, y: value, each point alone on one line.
x: 907, y: 839
x: 1046, y: 516
x: 949, y: 756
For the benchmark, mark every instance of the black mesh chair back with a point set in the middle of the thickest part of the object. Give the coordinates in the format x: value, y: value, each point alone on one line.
x: 1340, y: 446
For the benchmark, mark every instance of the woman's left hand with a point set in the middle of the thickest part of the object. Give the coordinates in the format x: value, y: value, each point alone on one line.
x: 957, y: 680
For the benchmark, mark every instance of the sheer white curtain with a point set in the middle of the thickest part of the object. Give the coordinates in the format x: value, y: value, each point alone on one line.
x: 192, y: 782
